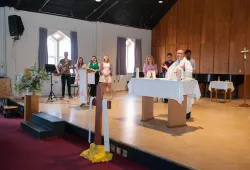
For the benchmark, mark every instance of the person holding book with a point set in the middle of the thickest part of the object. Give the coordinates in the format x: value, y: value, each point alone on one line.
x: 95, y: 66
x: 78, y: 65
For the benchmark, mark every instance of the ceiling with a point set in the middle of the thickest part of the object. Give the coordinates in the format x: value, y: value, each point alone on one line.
x: 135, y: 13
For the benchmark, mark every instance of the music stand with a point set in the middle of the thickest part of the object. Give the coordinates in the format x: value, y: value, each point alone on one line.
x: 51, y: 68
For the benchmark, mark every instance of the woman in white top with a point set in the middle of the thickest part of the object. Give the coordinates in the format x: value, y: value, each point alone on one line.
x: 106, y: 69
x: 78, y: 65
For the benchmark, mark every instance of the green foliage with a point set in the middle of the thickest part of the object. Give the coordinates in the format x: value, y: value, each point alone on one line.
x: 31, y: 80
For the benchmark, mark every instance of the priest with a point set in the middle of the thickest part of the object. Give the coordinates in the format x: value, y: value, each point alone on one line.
x: 186, y: 69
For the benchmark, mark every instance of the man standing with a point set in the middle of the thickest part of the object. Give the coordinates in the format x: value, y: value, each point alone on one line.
x: 167, y: 64
x: 186, y: 68
x: 64, y: 67
x: 188, y: 56
x: 165, y: 67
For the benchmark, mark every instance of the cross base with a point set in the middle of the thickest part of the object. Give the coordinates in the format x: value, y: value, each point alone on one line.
x: 97, y: 153
x: 244, y: 105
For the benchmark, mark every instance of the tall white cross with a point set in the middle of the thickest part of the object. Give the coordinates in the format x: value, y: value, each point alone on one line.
x: 245, y: 51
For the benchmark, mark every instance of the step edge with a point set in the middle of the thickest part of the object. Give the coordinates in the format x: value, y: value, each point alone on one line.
x: 57, y: 121
x: 46, y: 129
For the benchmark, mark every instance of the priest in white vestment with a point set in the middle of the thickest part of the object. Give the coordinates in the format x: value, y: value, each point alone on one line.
x: 186, y: 69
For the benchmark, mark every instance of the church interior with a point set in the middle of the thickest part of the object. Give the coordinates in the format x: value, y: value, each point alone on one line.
x: 145, y: 112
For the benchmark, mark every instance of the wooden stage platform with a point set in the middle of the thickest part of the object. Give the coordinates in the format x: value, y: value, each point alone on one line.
x: 217, y: 137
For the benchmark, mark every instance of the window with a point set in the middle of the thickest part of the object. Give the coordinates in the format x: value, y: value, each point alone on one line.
x: 130, y: 55
x: 58, y: 43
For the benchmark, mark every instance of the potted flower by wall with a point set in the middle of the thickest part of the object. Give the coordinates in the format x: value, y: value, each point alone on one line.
x: 30, y: 84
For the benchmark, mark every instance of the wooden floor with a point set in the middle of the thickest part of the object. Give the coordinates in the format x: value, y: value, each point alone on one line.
x: 216, y: 138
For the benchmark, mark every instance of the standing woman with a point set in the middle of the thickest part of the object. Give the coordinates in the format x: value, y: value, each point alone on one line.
x: 95, y: 66
x: 106, y: 69
x: 78, y: 65
x: 150, y: 65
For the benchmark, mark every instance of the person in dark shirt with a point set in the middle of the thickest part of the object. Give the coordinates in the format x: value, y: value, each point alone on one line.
x: 167, y: 64
x: 165, y: 67
x: 64, y: 66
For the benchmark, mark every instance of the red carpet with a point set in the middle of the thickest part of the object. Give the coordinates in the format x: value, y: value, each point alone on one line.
x: 21, y: 151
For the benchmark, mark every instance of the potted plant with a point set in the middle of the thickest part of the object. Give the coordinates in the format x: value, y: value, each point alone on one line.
x: 30, y: 82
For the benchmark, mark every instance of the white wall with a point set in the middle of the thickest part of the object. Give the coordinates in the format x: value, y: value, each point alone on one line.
x: 93, y: 39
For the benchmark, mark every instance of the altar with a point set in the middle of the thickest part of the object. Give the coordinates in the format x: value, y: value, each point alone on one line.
x: 221, y: 85
x: 176, y: 92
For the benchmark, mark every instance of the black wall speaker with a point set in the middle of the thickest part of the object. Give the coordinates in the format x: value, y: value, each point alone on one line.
x: 15, y: 25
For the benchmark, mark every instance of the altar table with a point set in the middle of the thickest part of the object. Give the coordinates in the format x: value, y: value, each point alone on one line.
x: 175, y: 91
x: 221, y: 85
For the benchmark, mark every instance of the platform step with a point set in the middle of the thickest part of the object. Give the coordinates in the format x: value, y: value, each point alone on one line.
x: 36, y: 130
x: 48, y: 121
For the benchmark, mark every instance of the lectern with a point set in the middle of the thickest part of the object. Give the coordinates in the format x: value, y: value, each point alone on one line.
x: 87, y: 76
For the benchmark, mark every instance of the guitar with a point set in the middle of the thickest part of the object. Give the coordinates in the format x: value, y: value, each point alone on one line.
x: 63, y: 68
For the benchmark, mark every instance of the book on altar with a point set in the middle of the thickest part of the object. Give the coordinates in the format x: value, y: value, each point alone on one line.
x: 151, y: 74
x: 87, y: 68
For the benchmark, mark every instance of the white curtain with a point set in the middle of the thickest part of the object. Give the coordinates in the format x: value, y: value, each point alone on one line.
x: 3, y: 63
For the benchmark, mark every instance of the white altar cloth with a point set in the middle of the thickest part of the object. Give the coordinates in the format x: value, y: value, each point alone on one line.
x: 223, y: 85
x: 163, y: 88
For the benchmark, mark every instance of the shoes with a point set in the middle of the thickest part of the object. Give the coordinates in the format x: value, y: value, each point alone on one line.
x: 70, y: 97
x: 188, y: 115
x: 165, y: 100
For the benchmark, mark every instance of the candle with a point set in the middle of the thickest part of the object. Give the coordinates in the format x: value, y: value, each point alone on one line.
x: 137, y: 72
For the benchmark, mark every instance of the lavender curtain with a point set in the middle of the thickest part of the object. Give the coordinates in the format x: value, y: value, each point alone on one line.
x: 43, y: 48
x: 138, y: 54
x: 121, y: 56
x: 74, y: 47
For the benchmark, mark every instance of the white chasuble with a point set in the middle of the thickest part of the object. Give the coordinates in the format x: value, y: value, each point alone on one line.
x: 186, y: 72
x: 184, y: 65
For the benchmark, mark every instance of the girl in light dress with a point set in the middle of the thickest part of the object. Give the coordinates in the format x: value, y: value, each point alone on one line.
x: 78, y: 65
x: 106, y: 69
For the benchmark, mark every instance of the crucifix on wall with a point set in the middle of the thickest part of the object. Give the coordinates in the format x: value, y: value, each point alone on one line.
x: 245, y: 51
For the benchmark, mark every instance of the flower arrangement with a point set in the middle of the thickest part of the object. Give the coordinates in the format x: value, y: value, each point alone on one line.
x: 31, y: 80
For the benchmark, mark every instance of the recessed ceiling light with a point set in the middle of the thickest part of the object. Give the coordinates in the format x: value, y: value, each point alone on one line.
x: 98, y: 0
x: 160, y: 2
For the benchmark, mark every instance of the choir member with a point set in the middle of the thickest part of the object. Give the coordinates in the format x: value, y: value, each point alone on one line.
x: 64, y: 66
x: 95, y: 66
x: 169, y: 61
x: 167, y: 64
x: 190, y: 59
x: 150, y: 66
x: 106, y: 70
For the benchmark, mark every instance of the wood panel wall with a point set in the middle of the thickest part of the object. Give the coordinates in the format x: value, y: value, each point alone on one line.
x: 214, y: 30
